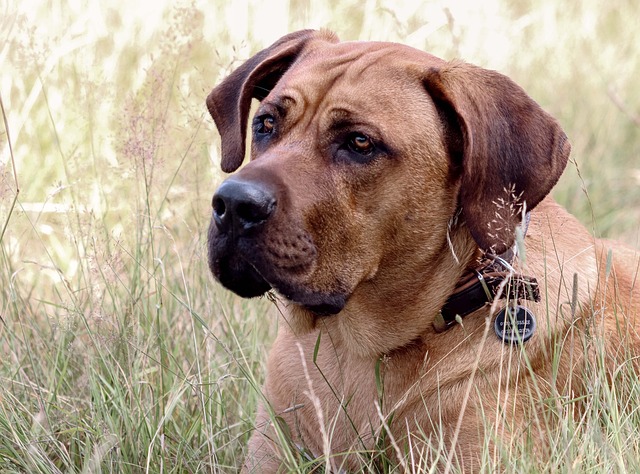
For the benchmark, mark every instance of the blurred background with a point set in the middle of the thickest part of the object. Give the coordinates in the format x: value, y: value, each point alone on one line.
x: 96, y: 94
x: 106, y: 136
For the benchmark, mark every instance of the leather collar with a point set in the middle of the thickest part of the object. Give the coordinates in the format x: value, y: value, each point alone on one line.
x: 494, y: 277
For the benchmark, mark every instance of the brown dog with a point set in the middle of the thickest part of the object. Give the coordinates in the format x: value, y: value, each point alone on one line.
x: 385, y: 195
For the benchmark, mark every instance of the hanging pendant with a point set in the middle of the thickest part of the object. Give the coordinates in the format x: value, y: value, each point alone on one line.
x: 514, y: 323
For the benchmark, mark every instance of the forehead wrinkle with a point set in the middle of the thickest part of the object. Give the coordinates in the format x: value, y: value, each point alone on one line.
x: 346, y: 115
x: 319, y: 75
x: 362, y: 65
x: 313, y: 78
x: 322, y: 67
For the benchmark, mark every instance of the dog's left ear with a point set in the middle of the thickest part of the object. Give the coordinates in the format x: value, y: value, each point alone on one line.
x: 229, y: 102
x: 510, y: 151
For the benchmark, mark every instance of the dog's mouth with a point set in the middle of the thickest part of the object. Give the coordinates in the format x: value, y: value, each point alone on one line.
x: 250, y: 269
x: 317, y: 302
x: 238, y: 276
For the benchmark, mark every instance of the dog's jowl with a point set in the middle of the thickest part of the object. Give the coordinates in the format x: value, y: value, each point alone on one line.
x: 387, y: 200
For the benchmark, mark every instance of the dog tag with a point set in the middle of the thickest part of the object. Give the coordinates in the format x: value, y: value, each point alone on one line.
x: 514, y: 324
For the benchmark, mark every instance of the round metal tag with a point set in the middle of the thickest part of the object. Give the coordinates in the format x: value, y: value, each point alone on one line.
x: 514, y: 324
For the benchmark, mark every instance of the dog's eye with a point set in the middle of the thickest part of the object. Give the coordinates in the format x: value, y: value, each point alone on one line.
x: 264, y: 124
x: 360, y: 143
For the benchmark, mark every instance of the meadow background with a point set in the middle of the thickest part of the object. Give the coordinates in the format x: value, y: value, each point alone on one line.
x: 118, y: 352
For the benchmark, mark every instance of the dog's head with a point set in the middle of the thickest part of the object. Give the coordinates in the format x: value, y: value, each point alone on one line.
x: 361, y: 154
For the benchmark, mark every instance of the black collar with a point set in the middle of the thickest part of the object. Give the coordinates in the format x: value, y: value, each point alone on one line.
x: 494, y: 277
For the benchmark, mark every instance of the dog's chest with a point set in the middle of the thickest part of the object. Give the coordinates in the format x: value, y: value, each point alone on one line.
x: 322, y: 391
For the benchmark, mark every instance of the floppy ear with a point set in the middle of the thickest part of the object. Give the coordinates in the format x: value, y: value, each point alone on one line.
x: 510, y: 151
x: 230, y: 101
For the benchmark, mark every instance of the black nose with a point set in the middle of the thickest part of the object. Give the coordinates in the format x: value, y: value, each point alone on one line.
x: 239, y: 206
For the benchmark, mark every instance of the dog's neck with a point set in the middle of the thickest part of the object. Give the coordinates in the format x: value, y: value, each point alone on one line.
x: 400, y: 315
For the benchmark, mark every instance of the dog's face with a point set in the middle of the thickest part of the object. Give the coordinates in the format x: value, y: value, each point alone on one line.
x: 361, y: 155
x: 323, y: 195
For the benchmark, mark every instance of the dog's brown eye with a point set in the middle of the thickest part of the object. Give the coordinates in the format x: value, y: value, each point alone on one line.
x: 361, y: 144
x: 265, y: 124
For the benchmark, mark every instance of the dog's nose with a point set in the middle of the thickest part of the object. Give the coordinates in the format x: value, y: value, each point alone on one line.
x: 241, y: 205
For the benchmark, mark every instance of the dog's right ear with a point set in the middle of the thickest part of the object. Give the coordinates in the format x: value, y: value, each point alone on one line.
x: 511, y: 152
x: 230, y: 101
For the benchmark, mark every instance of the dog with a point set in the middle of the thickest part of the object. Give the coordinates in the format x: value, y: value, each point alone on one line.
x: 398, y: 206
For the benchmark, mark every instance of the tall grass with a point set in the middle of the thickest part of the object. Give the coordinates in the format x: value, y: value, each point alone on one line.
x: 118, y: 352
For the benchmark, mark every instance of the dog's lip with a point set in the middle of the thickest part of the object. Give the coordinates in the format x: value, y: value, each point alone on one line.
x: 283, y: 279
x: 321, y: 304
x: 326, y: 309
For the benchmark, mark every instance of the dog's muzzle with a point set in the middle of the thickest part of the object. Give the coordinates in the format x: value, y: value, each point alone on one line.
x: 241, y: 210
x: 256, y: 245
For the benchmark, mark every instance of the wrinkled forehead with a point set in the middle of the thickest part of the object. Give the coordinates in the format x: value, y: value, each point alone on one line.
x: 362, y: 68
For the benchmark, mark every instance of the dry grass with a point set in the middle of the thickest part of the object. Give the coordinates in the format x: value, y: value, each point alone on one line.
x: 119, y: 353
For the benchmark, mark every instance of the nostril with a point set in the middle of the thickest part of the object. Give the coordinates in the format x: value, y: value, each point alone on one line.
x: 219, y: 207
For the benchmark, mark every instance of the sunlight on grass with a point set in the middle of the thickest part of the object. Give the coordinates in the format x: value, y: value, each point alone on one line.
x: 120, y: 353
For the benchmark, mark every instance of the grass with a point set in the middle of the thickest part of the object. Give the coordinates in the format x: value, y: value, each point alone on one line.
x: 119, y: 352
